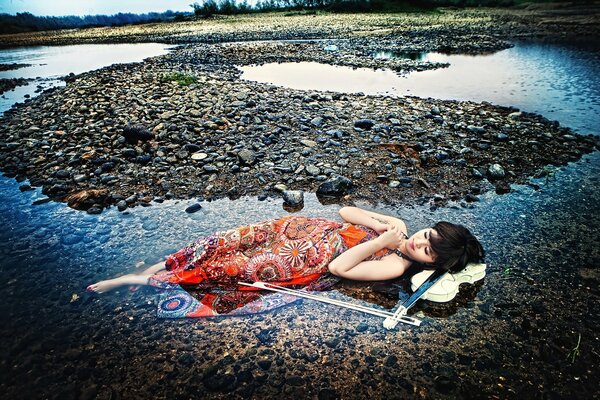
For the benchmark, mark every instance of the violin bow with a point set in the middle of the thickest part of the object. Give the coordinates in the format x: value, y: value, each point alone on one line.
x: 369, y: 310
x: 391, y: 322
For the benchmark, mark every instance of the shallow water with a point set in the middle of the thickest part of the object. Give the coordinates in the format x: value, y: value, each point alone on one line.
x: 558, y: 81
x: 540, y: 293
x: 50, y: 63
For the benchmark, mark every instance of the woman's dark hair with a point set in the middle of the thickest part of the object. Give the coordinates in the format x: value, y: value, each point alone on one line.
x: 455, y: 246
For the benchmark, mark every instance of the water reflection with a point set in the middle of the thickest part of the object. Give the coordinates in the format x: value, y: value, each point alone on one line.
x: 558, y: 81
x: 407, y: 55
x: 48, y: 63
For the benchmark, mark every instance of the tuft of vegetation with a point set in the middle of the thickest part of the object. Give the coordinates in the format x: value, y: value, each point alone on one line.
x: 575, y: 350
x: 181, y: 78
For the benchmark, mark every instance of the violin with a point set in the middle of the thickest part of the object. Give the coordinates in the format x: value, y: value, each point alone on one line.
x: 446, y: 288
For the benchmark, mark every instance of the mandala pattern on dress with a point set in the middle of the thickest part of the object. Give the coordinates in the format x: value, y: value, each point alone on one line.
x: 294, y: 253
x: 267, y: 267
x: 176, y: 304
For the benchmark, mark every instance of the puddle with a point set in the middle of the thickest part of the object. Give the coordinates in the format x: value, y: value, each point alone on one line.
x: 558, y: 81
x: 49, y: 63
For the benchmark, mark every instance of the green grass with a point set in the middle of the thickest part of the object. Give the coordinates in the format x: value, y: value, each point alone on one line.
x: 181, y: 78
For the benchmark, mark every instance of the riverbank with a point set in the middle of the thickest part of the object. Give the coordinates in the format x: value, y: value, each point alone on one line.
x: 128, y: 134
x: 446, y: 28
x: 136, y: 133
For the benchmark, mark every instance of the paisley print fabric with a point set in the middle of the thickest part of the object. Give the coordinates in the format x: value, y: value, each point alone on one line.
x: 292, y: 251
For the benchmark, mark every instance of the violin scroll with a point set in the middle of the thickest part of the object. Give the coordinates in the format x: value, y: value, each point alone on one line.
x: 447, y: 287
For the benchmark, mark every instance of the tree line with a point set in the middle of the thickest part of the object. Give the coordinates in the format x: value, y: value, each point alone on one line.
x: 27, y: 22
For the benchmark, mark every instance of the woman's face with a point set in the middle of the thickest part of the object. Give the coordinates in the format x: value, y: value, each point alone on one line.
x: 418, y: 247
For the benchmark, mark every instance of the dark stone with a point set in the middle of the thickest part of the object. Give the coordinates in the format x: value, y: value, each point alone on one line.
x: 220, y: 382
x: 94, y: 210
x: 186, y: 359
x: 391, y: 361
x: 193, y: 208
x: 62, y: 174
x: 471, y: 198
x: 129, y: 153
x: 362, y: 327
x: 192, y: 148
x: 327, y: 394
x: 247, y: 157
x: 501, y: 137
x: 502, y: 187
x: 441, y: 155
x: 210, y: 168
x: 144, y: 159
x: 295, y: 381
x: 264, y: 364
x: 293, y: 197
x: 364, y: 123
x: 337, y: 186
x: 265, y: 336
x: 477, y: 174
x: 495, y: 171
x: 135, y: 133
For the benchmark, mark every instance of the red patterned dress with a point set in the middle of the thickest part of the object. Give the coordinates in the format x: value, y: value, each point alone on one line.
x: 291, y: 251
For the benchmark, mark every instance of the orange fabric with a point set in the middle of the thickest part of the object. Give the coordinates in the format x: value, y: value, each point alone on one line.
x: 352, y: 235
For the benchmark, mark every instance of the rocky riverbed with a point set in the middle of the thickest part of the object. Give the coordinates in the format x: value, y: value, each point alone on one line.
x: 472, y: 30
x: 130, y: 134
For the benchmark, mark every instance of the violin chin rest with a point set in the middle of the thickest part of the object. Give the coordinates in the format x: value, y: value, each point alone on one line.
x: 447, y: 287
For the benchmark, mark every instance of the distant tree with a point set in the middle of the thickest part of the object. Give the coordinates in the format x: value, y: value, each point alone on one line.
x: 207, y: 9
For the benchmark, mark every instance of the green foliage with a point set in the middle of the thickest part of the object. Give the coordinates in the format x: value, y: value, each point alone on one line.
x: 181, y: 78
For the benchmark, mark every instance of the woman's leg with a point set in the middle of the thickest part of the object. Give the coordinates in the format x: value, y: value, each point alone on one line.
x: 129, y: 279
x: 110, y: 284
x: 159, y: 266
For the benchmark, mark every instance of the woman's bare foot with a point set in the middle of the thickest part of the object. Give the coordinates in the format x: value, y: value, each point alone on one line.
x: 110, y: 284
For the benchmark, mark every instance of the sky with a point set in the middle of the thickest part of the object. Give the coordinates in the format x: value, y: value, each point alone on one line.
x: 92, y: 7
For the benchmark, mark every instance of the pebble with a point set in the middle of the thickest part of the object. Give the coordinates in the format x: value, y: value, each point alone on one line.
x: 495, y: 171
x: 364, y: 123
x: 193, y: 208
x: 293, y: 197
x: 337, y: 186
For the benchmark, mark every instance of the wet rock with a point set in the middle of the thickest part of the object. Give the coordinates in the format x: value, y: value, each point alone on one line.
x: 293, y: 197
x: 337, y: 186
x: 264, y: 364
x: 476, y: 129
x: 220, y: 382
x: 362, y: 327
x: 495, y: 171
x: 502, y: 187
x: 135, y: 133
x: 247, y: 157
x: 295, y: 381
x: 210, y: 168
x: 364, y: 123
x: 193, y: 208
x: 122, y: 205
x: 265, y: 336
x: 94, y: 210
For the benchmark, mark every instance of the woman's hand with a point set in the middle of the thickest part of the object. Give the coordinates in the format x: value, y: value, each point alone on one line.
x: 392, y: 237
x: 381, y: 226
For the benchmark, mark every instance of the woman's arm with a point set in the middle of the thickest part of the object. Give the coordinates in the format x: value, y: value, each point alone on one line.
x: 370, y: 219
x: 350, y: 264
